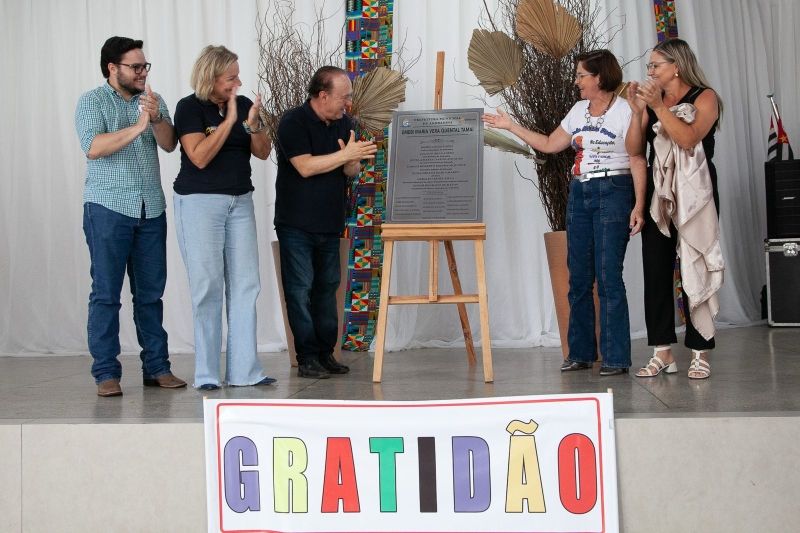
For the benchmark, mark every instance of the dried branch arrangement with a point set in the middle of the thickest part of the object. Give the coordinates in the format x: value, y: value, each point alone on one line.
x: 289, y: 54
x: 544, y: 91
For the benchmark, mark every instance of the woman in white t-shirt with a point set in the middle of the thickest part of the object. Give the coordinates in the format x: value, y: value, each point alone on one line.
x: 605, y: 208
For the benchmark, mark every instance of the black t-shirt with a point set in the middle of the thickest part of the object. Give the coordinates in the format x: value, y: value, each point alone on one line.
x: 229, y: 171
x: 315, y: 204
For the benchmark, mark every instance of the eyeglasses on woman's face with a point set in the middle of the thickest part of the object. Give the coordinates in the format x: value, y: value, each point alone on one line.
x: 652, y: 65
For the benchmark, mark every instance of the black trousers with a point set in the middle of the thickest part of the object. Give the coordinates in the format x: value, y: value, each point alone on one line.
x: 658, y: 259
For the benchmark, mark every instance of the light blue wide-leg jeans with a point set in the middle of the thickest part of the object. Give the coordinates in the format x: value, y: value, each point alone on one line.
x: 218, y: 242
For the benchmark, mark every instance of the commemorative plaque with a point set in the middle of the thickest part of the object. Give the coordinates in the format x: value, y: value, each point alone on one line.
x: 436, y: 167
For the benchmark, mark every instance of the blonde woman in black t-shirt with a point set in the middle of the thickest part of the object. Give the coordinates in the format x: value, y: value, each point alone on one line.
x: 214, y: 217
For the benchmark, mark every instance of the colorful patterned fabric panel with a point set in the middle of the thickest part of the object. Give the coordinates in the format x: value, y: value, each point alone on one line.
x: 666, y: 22
x: 368, y: 45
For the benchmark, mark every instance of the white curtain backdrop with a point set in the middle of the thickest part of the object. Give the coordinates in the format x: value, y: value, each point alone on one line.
x: 51, y: 55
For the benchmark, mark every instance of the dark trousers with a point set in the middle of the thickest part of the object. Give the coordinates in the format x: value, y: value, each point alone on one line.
x: 310, y: 276
x: 658, y: 259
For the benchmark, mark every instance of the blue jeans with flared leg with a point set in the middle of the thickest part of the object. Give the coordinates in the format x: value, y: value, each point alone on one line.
x: 118, y: 243
x: 598, y: 214
x: 218, y: 242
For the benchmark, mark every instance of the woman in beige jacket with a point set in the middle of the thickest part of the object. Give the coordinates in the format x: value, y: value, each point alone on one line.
x: 675, y: 78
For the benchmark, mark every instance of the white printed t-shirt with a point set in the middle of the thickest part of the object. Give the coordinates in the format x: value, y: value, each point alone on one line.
x: 603, y: 147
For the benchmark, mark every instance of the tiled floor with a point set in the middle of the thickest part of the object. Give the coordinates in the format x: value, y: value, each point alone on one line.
x: 756, y: 370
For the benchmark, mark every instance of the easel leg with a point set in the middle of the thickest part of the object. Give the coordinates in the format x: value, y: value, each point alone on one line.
x: 462, y: 308
x: 383, y: 311
x: 483, y: 304
x: 433, y: 271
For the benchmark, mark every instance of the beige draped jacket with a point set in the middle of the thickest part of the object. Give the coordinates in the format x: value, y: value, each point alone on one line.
x: 684, y: 196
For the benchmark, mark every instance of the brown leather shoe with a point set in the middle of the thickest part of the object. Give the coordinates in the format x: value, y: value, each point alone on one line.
x: 109, y: 387
x: 166, y: 381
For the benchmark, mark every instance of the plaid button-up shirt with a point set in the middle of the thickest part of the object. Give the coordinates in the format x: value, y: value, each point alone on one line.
x: 130, y: 177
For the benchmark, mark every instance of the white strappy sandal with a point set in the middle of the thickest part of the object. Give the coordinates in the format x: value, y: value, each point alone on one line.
x: 699, y: 368
x: 656, y: 365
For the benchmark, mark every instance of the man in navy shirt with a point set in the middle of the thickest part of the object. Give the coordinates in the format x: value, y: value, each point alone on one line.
x: 317, y: 152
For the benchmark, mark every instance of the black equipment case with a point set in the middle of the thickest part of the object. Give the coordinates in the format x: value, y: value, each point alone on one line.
x: 783, y: 198
x: 783, y: 281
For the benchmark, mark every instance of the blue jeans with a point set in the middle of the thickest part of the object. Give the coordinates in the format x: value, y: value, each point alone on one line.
x: 139, y: 245
x: 598, y: 214
x: 310, y: 277
x: 218, y: 242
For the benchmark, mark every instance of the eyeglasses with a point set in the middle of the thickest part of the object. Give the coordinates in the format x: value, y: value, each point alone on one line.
x: 137, y: 67
x: 654, y: 64
x: 344, y: 97
x: 580, y: 75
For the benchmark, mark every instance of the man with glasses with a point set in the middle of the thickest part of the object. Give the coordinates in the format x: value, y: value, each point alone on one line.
x: 317, y: 152
x: 119, y: 125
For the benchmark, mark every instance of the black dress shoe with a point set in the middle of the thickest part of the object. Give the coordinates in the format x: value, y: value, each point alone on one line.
x: 569, y: 366
x: 312, y: 369
x: 333, y: 366
x: 208, y: 387
x: 612, y: 371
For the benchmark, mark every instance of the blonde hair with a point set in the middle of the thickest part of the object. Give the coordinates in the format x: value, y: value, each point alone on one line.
x: 677, y: 51
x: 213, y: 62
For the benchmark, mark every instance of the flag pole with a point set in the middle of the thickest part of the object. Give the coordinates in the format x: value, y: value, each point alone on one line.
x: 774, y: 108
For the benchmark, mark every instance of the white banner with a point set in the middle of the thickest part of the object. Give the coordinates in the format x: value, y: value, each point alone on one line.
x: 516, y: 464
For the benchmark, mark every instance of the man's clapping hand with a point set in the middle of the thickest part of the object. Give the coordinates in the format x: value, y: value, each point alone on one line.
x: 149, y: 102
x: 357, y: 150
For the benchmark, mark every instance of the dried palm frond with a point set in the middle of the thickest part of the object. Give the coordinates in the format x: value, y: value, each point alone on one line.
x: 548, y: 26
x: 495, y: 59
x: 495, y: 139
x: 622, y: 90
x: 375, y: 96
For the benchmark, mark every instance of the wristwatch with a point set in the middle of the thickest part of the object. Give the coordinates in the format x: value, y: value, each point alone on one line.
x: 250, y: 130
x: 158, y: 119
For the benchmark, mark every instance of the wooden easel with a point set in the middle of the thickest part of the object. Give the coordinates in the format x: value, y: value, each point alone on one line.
x: 434, y: 234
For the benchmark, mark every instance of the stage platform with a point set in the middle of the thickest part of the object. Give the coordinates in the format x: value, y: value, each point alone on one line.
x: 716, y: 455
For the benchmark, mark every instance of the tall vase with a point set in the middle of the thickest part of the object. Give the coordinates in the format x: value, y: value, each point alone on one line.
x: 555, y: 245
